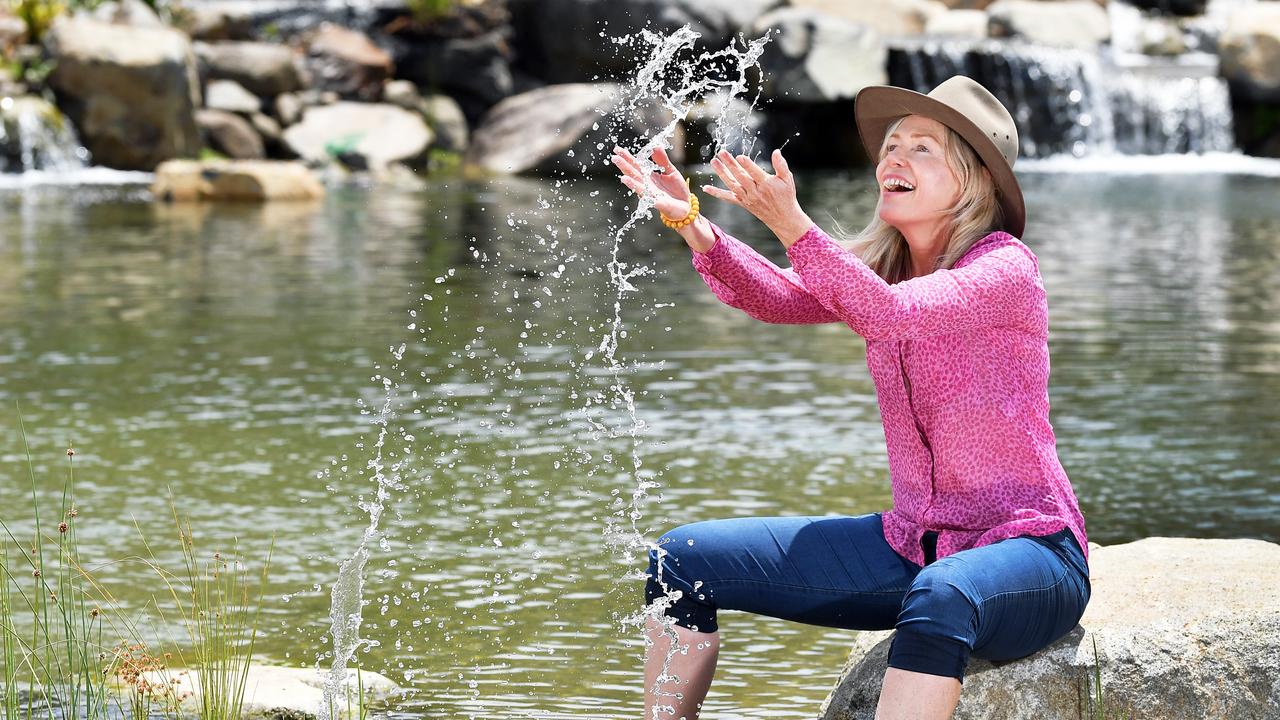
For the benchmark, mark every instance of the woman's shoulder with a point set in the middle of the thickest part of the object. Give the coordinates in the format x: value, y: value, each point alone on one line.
x: 1007, y: 244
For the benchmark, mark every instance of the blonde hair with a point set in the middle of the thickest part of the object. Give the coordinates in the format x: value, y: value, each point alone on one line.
x: 976, y: 213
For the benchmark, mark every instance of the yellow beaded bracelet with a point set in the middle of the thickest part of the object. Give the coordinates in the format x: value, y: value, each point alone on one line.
x: 677, y: 224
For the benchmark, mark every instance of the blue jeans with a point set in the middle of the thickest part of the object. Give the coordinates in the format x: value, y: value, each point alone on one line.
x: 1001, y: 601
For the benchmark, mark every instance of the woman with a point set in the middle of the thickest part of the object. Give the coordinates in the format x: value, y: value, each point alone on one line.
x: 984, y: 552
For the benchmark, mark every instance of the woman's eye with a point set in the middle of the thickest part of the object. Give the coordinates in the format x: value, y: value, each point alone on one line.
x: 922, y: 147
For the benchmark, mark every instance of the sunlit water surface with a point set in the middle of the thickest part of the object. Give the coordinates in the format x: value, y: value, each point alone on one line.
x: 234, y: 354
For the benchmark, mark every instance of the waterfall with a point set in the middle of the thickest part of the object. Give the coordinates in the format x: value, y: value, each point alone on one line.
x: 34, y: 135
x: 1080, y: 103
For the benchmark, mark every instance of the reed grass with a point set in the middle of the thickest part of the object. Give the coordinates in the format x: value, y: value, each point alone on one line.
x: 1091, y: 700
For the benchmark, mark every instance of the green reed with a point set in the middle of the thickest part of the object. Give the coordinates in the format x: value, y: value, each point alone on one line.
x: 1091, y: 700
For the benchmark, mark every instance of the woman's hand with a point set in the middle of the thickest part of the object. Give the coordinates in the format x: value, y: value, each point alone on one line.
x: 669, y: 189
x: 771, y: 198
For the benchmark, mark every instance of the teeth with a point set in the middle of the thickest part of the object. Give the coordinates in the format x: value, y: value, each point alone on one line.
x: 897, y: 182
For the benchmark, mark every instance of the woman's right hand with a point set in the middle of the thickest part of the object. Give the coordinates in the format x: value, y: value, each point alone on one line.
x: 669, y: 189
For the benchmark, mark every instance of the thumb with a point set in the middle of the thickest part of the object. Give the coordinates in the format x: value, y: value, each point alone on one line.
x: 780, y: 167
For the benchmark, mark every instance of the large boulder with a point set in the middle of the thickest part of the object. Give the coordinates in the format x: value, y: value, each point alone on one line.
x: 131, y: 91
x: 559, y: 127
x: 234, y: 180
x: 886, y: 17
x: 369, y: 134
x: 1070, y: 23
x: 815, y: 57
x: 264, y: 69
x: 1249, y: 51
x: 1185, y: 629
x: 567, y: 41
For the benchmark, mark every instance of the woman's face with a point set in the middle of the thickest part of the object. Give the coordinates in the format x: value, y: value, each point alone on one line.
x: 914, y: 152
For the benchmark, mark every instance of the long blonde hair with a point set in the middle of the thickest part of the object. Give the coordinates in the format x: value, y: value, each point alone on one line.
x: 977, y: 212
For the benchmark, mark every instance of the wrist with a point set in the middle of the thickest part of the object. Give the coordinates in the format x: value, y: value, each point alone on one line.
x: 793, y: 229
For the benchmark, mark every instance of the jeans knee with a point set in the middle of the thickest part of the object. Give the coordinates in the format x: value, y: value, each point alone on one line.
x: 941, y: 601
x: 669, y: 577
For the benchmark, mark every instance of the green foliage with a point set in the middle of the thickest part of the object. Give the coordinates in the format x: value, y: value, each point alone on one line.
x: 51, y: 615
x: 426, y: 11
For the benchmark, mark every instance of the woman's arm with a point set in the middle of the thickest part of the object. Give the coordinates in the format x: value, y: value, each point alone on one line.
x: 1001, y: 288
x: 743, y: 278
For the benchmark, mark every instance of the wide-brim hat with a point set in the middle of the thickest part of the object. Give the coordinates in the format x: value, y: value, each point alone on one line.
x: 971, y: 111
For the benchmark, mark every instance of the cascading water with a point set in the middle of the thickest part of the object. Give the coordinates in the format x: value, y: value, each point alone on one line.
x: 1081, y: 103
x: 35, y: 136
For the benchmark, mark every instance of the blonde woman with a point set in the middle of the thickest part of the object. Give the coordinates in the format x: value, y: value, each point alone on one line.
x: 984, y: 551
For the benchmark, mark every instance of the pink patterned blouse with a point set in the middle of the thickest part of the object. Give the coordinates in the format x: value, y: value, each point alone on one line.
x: 960, y: 362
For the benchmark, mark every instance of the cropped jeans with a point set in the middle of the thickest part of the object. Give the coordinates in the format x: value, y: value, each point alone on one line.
x: 1000, y: 601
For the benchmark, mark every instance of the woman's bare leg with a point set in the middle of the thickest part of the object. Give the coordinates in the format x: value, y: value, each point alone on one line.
x: 692, y: 665
x: 908, y: 695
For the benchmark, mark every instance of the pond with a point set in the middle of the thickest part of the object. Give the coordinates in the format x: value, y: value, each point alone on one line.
x: 235, y: 356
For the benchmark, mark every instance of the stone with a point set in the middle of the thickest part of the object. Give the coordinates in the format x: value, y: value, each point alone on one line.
x: 13, y: 32
x: 376, y: 133
x: 958, y: 23
x: 886, y: 17
x: 230, y: 134
x: 446, y: 120
x: 474, y: 71
x: 402, y: 93
x: 231, y: 96
x: 1071, y: 23
x: 264, y: 69
x: 1249, y: 51
x: 287, y: 108
x: 348, y: 63
x: 560, y: 40
x: 210, y: 23
x: 237, y: 180
x: 550, y: 129
x: 1185, y: 629
x: 131, y: 91
x: 818, y: 58
x: 268, y: 128
x: 126, y: 12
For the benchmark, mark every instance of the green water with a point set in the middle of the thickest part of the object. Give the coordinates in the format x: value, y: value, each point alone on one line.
x: 234, y: 355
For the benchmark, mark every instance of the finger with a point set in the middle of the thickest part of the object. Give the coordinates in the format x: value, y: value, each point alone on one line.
x: 738, y: 175
x: 625, y: 164
x: 752, y: 170
x: 780, y: 166
x: 718, y: 193
x: 660, y: 156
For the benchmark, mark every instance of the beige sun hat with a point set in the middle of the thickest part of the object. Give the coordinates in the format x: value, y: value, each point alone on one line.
x: 966, y: 107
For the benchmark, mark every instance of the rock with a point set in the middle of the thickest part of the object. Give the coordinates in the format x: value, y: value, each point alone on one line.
x: 376, y: 133
x: 241, y: 180
x: 817, y: 57
x: 958, y: 23
x: 263, y: 69
x: 1249, y: 51
x: 287, y: 108
x: 127, y: 12
x: 1161, y: 36
x: 347, y: 62
x: 446, y: 120
x: 552, y: 129
x: 1185, y: 629
x: 474, y: 71
x: 132, y: 92
x: 208, y: 23
x: 268, y: 128
x: 886, y: 17
x: 231, y: 96
x: 560, y: 41
x: 1071, y: 23
x: 283, y: 692
x: 230, y: 134
x: 13, y: 32
x: 402, y: 93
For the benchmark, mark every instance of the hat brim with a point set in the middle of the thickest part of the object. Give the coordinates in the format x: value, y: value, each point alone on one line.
x: 876, y: 107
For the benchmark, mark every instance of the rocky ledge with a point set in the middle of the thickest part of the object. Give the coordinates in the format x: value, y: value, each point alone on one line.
x: 1185, y: 629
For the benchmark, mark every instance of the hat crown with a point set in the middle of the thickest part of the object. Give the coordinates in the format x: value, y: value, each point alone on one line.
x: 976, y: 103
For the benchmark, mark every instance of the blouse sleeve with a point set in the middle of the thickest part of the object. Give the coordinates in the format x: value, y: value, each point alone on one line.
x: 1000, y: 288
x: 743, y: 278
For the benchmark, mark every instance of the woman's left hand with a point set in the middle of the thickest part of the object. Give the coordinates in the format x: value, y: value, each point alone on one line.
x: 771, y: 198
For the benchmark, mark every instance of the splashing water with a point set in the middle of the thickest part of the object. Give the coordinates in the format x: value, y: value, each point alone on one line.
x: 674, y: 77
